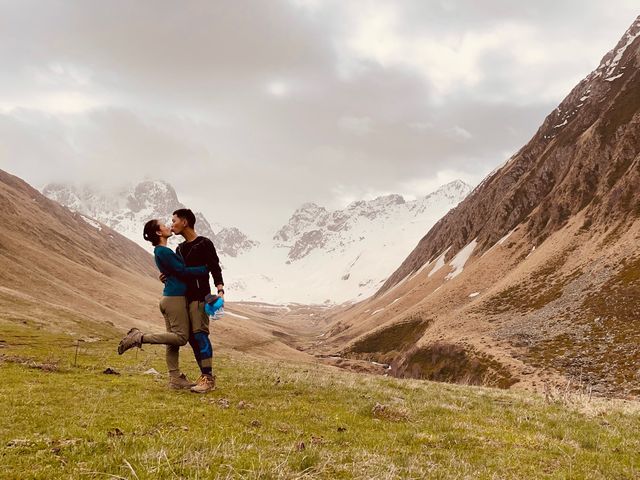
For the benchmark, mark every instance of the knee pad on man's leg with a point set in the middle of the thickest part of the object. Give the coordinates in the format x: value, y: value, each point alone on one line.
x: 204, y: 344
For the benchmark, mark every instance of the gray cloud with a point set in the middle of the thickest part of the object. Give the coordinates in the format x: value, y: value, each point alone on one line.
x: 251, y: 108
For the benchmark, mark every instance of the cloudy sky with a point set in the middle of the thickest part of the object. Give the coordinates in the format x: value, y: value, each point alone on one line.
x: 251, y: 108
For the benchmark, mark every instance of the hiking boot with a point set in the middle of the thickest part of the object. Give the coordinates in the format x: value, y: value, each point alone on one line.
x: 205, y: 384
x: 180, y: 382
x: 131, y: 339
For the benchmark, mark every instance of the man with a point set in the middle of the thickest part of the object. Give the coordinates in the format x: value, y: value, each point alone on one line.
x: 194, y: 251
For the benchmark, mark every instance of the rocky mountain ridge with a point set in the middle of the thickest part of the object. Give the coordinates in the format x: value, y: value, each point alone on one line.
x: 314, y: 227
x: 543, y: 183
x: 323, y: 256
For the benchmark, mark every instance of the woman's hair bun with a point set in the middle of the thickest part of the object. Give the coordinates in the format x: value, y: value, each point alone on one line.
x: 150, y: 232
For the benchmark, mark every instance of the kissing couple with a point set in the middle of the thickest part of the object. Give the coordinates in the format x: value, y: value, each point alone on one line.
x: 186, y: 298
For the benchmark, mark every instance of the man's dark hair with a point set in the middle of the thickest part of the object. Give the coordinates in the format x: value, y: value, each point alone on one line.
x: 186, y: 214
x: 150, y: 232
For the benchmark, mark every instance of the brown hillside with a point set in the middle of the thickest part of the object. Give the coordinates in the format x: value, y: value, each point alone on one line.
x: 60, y: 273
x: 589, y: 163
x: 57, y: 271
x: 549, y: 292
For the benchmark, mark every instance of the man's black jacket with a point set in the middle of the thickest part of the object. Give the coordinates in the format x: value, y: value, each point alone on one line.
x: 200, y: 252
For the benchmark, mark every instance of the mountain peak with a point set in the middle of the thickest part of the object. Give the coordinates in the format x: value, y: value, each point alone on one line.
x: 610, y: 68
x: 153, y: 193
x: 457, y: 183
x: 310, y: 207
x: 232, y: 242
x: 381, y: 201
x: 456, y: 189
x: 128, y: 209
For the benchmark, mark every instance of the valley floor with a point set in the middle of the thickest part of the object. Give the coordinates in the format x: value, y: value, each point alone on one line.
x: 281, y: 419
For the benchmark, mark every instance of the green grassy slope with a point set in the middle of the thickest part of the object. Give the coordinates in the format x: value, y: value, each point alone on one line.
x: 281, y: 420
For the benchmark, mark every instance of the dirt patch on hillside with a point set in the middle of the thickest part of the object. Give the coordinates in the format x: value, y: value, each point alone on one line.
x: 385, y: 344
x: 447, y: 362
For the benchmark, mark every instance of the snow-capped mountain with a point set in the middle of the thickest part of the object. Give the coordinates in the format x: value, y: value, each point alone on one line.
x: 324, y: 256
x: 319, y: 256
x: 231, y: 242
x: 312, y: 227
x: 127, y: 209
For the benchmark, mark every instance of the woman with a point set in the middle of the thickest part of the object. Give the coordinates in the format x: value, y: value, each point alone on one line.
x: 173, y: 304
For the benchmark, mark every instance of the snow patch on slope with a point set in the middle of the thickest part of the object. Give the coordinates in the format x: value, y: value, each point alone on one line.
x: 91, y: 222
x: 620, y: 52
x: 439, y: 262
x: 458, y: 262
x: 506, y: 237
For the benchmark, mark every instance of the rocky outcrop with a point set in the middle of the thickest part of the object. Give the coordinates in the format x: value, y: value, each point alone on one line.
x: 231, y: 242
